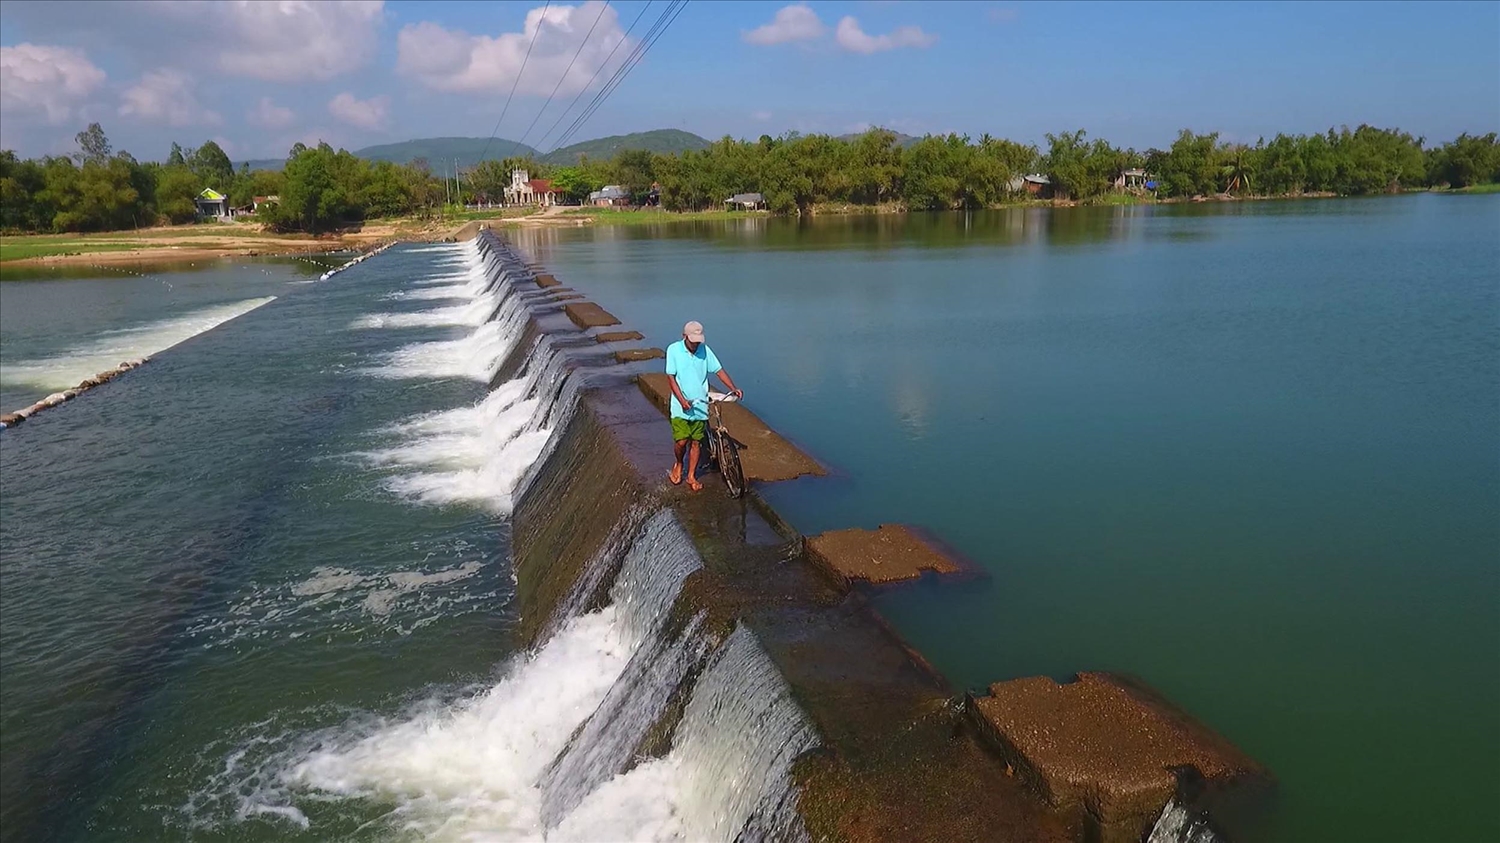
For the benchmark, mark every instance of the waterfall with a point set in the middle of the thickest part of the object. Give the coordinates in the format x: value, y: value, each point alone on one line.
x: 556, y: 748
x: 1179, y: 824
x: 483, y: 453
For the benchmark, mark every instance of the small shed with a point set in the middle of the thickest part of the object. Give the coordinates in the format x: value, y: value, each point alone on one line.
x: 1132, y: 179
x: 746, y: 202
x: 212, y: 203
x: 1038, y: 185
x: 612, y: 196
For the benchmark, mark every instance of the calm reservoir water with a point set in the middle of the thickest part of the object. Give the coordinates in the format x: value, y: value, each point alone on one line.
x: 1250, y: 453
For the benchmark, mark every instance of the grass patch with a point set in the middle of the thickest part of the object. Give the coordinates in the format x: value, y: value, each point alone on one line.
x: 199, y: 230
x: 491, y: 214
x: 18, y: 248
x: 1492, y: 187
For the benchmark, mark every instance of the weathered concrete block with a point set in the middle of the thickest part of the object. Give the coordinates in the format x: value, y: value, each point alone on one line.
x: 890, y: 554
x: 765, y: 455
x: 618, y: 336
x: 1106, y: 745
x: 635, y: 354
x: 589, y: 315
x: 12, y: 419
x: 547, y: 280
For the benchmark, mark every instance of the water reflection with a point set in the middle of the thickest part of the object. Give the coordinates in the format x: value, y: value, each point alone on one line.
x: 1006, y: 227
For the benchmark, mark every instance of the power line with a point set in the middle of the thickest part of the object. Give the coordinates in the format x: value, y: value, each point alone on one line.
x: 597, y: 71
x: 624, y: 71
x: 539, y: 24
x: 602, y: 9
x: 619, y: 74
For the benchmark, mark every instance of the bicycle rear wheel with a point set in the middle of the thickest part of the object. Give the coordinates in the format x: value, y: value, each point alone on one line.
x: 729, y: 464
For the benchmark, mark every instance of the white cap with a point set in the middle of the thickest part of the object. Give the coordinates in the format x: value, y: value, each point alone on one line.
x: 693, y: 331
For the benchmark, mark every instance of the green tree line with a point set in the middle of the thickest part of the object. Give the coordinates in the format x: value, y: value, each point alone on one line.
x: 320, y: 187
x: 939, y: 172
x: 98, y: 189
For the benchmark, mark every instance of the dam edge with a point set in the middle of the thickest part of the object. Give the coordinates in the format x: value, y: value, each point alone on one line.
x: 902, y: 755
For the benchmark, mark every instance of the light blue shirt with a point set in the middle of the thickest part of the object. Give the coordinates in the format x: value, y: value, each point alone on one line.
x: 691, y: 369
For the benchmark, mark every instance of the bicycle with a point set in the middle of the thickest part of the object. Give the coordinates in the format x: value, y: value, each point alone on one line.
x: 723, y: 448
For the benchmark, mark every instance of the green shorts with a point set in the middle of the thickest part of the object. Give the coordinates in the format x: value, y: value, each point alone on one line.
x: 684, y: 429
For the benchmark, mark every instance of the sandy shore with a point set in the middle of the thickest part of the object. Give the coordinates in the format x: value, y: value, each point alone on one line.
x: 188, y: 244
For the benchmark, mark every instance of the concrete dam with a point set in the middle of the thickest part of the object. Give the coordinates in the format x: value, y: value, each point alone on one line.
x: 762, y: 697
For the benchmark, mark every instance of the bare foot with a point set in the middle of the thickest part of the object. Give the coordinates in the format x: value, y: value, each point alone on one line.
x: 694, y: 484
x: 675, y: 475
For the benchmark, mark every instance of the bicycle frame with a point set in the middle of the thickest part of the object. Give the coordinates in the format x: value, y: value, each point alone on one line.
x: 723, y: 447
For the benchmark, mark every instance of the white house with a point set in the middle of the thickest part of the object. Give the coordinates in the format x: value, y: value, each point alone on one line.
x: 212, y: 203
x: 525, y: 190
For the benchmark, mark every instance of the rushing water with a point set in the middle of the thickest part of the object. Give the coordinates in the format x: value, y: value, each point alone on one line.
x: 259, y: 590
x: 1247, y: 452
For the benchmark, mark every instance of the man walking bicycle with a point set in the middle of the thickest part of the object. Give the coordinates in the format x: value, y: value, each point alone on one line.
x: 689, y: 363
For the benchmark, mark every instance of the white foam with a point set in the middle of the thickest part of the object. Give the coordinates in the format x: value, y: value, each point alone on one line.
x: 111, y: 348
x: 345, y: 602
x: 476, y: 312
x: 474, y: 357
x: 468, y: 771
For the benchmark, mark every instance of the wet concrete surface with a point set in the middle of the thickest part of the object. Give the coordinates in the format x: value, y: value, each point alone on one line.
x: 766, y: 456
x: 546, y: 280
x: 619, y: 336
x: 892, y: 553
x: 635, y: 355
x: 589, y: 315
x: 1107, y: 746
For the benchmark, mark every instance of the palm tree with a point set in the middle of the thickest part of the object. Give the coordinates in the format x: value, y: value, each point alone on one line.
x: 1236, y: 169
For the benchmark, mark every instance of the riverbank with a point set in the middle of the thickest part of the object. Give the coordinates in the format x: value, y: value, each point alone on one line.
x: 178, y: 244
x: 181, y: 244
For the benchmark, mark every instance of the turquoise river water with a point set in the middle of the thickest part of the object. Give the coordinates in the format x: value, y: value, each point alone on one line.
x: 1249, y: 453
x: 258, y: 589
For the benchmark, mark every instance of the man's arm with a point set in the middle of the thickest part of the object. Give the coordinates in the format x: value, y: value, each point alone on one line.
x: 724, y: 376
x: 687, y: 407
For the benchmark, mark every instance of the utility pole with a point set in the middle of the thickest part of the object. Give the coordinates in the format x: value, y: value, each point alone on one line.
x: 458, y: 188
x: 447, y: 195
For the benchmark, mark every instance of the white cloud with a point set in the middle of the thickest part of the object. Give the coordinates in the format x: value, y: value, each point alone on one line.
x: 792, y: 23
x: 856, y: 40
x: 280, y: 41
x: 269, y: 115
x: 366, y: 114
x: 51, y: 80
x: 167, y: 95
x: 453, y: 60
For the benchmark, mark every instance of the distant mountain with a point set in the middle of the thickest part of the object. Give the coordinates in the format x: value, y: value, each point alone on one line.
x: 659, y: 140
x: 438, y: 150
x: 902, y: 140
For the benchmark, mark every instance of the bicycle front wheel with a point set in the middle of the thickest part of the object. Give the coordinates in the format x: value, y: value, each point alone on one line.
x: 729, y: 464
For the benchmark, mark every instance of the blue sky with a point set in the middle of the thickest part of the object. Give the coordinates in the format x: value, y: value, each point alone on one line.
x: 258, y: 77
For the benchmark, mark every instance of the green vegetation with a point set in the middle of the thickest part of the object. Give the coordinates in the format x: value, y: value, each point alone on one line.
x: 796, y: 173
x: 16, y: 248
x: 321, y: 188
x: 98, y: 190
x: 1491, y: 187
